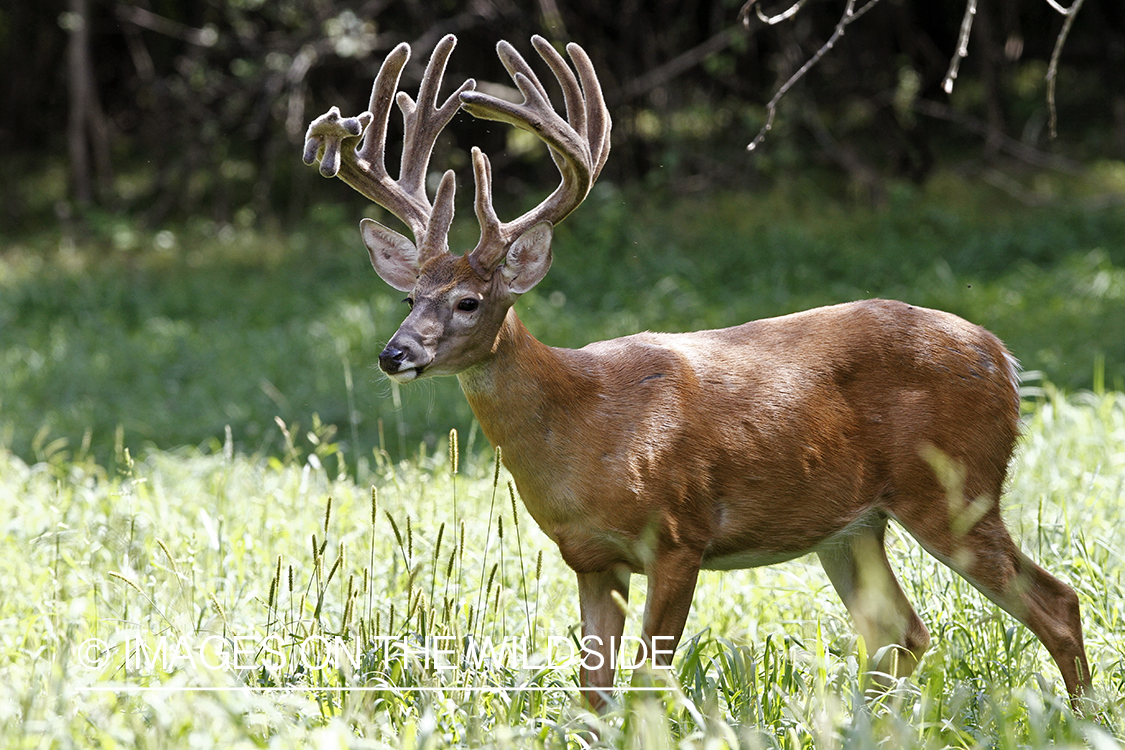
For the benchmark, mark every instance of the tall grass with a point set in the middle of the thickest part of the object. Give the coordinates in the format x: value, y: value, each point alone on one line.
x: 294, y: 605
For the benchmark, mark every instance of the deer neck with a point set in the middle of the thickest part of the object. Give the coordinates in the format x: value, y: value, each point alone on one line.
x: 517, y: 392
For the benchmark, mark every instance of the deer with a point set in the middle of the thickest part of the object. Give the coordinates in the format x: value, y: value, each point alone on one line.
x: 666, y: 453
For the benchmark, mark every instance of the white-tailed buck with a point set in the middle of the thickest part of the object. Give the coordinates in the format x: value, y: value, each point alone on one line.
x: 663, y: 454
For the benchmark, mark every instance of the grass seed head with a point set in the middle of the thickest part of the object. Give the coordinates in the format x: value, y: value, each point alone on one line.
x: 440, y: 534
x: 218, y: 607
x: 275, y: 584
x: 394, y: 528
x: 454, y: 454
x: 491, y: 576
x: 126, y: 581
x: 334, y: 568
x: 171, y: 560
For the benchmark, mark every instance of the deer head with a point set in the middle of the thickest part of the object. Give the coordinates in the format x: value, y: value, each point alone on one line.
x: 458, y: 303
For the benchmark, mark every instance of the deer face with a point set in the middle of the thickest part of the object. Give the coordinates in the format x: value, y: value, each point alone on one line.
x: 455, y: 313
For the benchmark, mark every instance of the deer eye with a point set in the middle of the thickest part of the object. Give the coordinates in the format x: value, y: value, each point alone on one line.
x: 468, y: 304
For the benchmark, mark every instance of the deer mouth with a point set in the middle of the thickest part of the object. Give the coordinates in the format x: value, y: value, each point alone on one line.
x: 398, y: 360
x: 405, y: 376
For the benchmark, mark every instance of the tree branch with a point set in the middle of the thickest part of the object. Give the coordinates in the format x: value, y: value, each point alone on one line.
x: 678, y: 65
x: 1005, y: 143
x: 850, y: 16
x: 962, y: 50
x: 1053, y: 68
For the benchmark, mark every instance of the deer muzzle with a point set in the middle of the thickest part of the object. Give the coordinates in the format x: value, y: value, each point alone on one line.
x: 403, y: 360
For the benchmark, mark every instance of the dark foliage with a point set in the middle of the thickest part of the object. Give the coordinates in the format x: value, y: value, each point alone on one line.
x: 199, y: 108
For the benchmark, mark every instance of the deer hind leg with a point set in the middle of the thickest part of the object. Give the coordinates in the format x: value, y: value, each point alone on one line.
x: 982, y: 551
x: 857, y: 565
x: 671, y: 584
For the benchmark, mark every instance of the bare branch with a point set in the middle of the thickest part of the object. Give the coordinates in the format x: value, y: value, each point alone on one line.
x: 660, y: 75
x: 785, y: 15
x: 850, y: 15
x: 146, y: 19
x: 1006, y: 143
x: 1053, y: 68
x: 962, y: 46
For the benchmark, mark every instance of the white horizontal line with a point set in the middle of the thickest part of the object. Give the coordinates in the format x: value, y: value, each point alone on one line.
x: 365, y: 689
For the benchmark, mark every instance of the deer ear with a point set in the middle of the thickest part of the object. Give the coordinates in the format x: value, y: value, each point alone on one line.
x: 528, y: 259
x: 394, y: 257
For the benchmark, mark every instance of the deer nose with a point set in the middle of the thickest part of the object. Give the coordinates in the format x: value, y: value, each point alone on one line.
x: 391, y: 359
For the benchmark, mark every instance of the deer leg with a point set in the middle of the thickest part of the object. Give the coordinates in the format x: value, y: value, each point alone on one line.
x: 671, y: 584
x: 985, y: 555
x: 857, y: 566
x: 603, y: 622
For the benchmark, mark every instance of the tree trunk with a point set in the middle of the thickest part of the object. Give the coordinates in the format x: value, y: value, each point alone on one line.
x: 87, y: 133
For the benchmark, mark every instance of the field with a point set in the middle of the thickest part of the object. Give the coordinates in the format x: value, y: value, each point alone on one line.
x: 223, y: 529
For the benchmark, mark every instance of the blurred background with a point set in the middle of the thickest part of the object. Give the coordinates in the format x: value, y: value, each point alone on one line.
x: 171, y: 273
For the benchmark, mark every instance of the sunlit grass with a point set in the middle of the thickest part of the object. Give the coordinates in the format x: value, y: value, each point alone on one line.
x: 213, y: 549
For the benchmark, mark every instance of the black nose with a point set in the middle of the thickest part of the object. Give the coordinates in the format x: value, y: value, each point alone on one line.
x: 391, y: 358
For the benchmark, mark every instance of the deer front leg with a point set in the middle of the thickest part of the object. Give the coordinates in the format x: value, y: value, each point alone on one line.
x: 603, y: 622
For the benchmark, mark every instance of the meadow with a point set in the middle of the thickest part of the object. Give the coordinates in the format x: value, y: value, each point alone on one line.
x: 222, y: 527
x: 117, y: 336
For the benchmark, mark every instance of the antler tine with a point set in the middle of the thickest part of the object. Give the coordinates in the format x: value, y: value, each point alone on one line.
x: 572, y: 94
x: 579, y: 145
x: 515, y: 64
x: 327, y: 132
x: 425, y: 120
x: 364, y: 169
x: 436, y: 239
x: 491, y: 230
x: 382, y: 94
x: 598, y: 122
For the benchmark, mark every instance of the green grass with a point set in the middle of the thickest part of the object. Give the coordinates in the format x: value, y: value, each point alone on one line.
x: 131, y: 338
x: 211, y: 548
